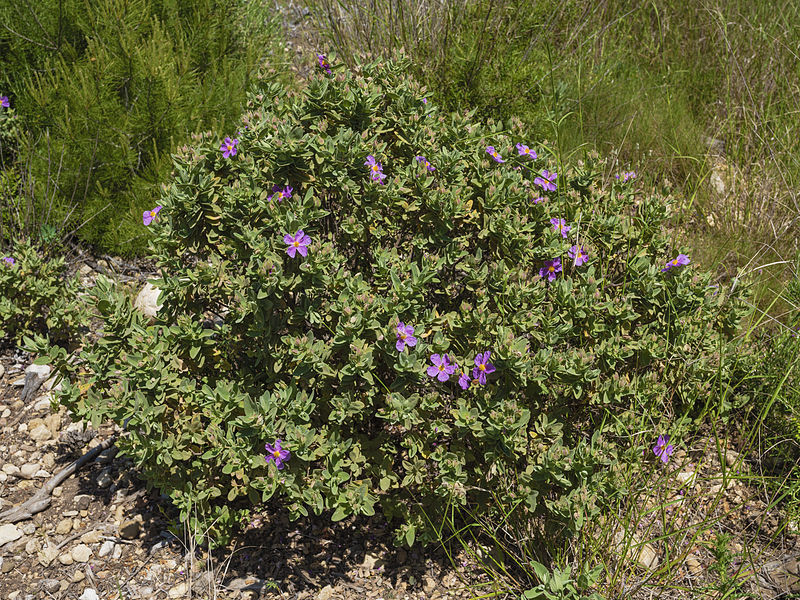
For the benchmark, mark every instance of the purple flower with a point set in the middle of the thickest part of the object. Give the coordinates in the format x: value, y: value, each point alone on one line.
x: 495, y: 155
x: 627, y: 176
x: 228, y: 147
x: 539, y: 200
x: 680, y: 261
x: 149, y: 215
x: 550, y: 269
x: 441, y: 368
x: 4, y: 102
x: 405, y: 336
x: 297, y: 243
x: 375, y: 169
x: 279, y: 193
x: 424, y: 161
x: 560, y: 225
x: 662, y: 450
x: 277, y: 454
x: 424, y: 100
x: 578, y: 254
x: 546, y: 181
x: 525, y: 151
x: 323, y: 63
x: 9, y: 260
x: 482, y: 367
x: 463, y: 380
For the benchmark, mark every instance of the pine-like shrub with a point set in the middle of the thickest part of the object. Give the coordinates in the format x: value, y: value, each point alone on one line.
x: 292, y: 269
x: 108, y: 89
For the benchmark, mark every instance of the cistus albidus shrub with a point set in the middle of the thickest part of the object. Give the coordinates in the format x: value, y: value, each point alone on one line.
x: 370, y: 305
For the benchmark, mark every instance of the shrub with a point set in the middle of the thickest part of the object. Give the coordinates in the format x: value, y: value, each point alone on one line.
x: 267, y: 335
x: 107, y: 90
x: 36, y: 296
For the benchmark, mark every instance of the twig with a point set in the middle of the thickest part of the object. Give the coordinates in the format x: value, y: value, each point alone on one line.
x: 41, y: 499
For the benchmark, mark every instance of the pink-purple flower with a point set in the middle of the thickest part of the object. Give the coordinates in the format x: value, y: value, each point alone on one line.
x: 680, y: 261
x: 464, y: 380
x: 578, y: 254
x: 279, y: 193
x: 539, y: 200
x: 561, y: 226
x: 375, y: 169
x: 482, y: 367
x: 323, y: 63
x: 9, y: 260
x: 663, y: 449
x: 627, y: 176
x: 441, y: 367
x: 525, y: 151
x: 424, y: 161
x: 545, y: 181
x: 277, y: 454
x: 405, y: 336
x: 149, y: 215
x: 495, y: 155
x: 551, y: 269
x: 4, y: 102
x: 299, y: 242
x: 228, y: 147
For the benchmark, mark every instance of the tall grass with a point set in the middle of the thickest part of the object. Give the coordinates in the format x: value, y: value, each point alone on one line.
x: 701, y: 96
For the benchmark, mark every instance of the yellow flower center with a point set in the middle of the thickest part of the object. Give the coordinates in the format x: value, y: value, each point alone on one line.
x: 441, y: 367
x: 296, y: 243
x: 230, y: 147
x: 276, y: 454
x: 551, y: 268
x: 153, y: 213
x: 675, y: 263
x: 482, y: 367
x: 403, y: 336
x: 375, y: 167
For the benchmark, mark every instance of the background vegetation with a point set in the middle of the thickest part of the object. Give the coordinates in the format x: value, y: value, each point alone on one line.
x: 105, y: 91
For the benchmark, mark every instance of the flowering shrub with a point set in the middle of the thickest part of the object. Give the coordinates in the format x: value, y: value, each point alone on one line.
x: 407, y: 346
x: 36, y: 296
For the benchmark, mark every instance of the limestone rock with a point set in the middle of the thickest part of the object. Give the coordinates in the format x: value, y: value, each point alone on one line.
x: 40, y: 433
x: 325, y: 593
x: 64, y: 526
x: 28, y: 470
x: 35, y: 376
x: 106, y: 549
x: 9, y: 533
x: 81, y: 553
x: 179, y: 591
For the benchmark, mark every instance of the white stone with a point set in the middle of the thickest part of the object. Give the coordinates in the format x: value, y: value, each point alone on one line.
x: 179, y: 591
x: 66, y: 559
x: 147, y: 300
x: 48, y: 555
x: 81, y: 553
x: 10, y: 469
x: 9, y: 533
x: 89, y: 594
x: 107, y: 548
x: 28, y: 470
x: 43, y: 403
x: 40, y: 433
